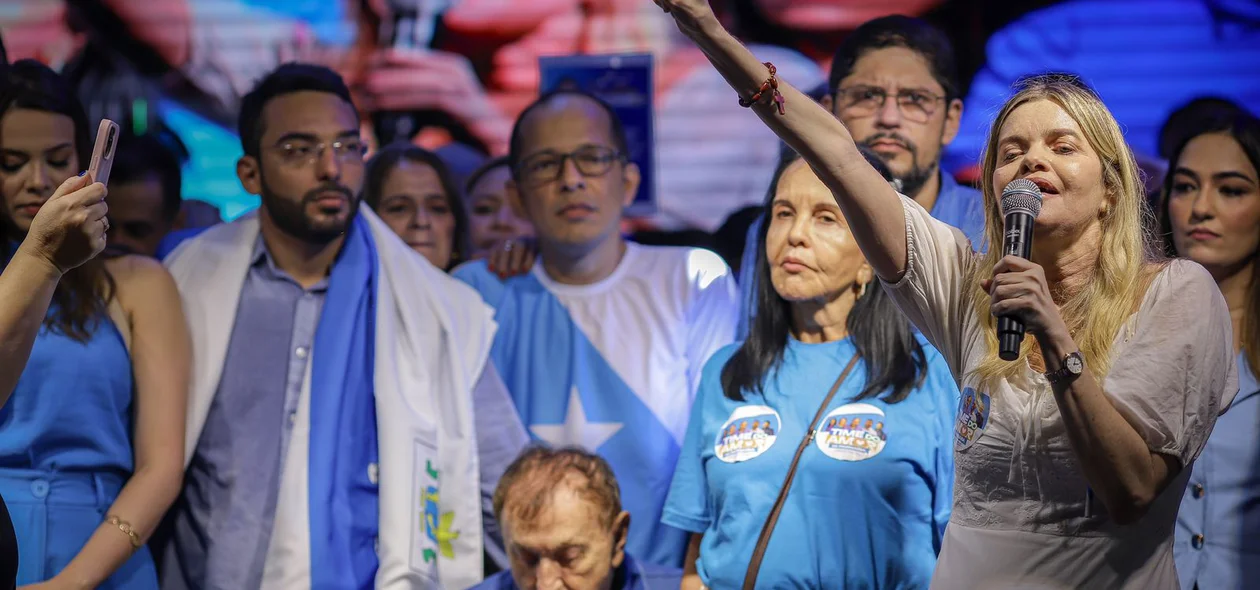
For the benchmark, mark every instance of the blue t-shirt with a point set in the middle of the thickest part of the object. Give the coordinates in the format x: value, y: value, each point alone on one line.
x: 872, y: 493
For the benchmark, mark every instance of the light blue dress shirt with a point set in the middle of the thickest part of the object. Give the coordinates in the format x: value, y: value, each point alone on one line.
x: 223, y: 520
x: 1217, y: 543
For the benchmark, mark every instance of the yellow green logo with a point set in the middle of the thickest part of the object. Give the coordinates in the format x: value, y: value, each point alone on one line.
x: 437, y: 525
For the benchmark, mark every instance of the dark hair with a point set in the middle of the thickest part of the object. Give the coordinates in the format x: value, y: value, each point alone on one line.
x: 1245, y: 129
x: 539, y: 471
x: 1189, y: 119
x: 289, y: 78
x: 614, y: 122
x: 388, y: 158
x: 898, y: 31
x: 83, y: 293
x: 138, y: 156
x: 483, y: 170
x: 894, y: 361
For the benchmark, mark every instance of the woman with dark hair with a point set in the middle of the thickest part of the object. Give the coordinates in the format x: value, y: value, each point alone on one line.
x: 1211, y: 215
x: 1084, y: 423
x: 91, y: 442
x: 68, y: 231
x: 492, y: 222
x: 818, y: 307
x: 413, y: 192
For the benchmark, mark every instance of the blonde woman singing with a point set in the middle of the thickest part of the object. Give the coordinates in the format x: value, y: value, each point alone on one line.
x: 1071, y: 460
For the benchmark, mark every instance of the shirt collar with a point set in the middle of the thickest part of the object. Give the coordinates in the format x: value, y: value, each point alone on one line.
x: 261, y: 259
x: 260, y: 255
x: 630, y: 573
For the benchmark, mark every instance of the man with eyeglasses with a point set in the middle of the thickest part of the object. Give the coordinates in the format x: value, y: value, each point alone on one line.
x: 894, y: 84
x: 602, y: 342
x: 331, y: 437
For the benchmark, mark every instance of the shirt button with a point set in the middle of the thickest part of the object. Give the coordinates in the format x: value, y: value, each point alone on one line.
x: 1197, y: 490
x: 374, y: 473
x: 1196, y: 541
x: 300, y: 352
x: 39, y: 489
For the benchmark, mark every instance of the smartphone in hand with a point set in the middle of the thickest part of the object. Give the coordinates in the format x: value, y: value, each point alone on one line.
x: 103, y: 152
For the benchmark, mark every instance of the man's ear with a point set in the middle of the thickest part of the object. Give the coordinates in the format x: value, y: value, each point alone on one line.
x: 631, y: 177
x: 621, y: 531
x: 828, y: 102
x: 248, y: 170
x: 953, y: 120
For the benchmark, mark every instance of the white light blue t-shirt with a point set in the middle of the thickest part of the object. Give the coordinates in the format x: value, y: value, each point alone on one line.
x: 613, y: 367
x: 872, y: 493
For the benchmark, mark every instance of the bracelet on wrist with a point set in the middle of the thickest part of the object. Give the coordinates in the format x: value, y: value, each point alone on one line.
x: 771, y: 86
x: 127, y: 529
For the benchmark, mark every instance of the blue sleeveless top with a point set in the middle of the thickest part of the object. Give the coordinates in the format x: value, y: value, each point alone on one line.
x: 72, y: 407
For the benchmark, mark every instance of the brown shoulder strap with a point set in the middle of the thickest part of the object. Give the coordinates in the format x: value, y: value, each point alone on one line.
x: 759, y: 551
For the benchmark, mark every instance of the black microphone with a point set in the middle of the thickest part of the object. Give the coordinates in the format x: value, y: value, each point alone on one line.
x: 1021, y: 203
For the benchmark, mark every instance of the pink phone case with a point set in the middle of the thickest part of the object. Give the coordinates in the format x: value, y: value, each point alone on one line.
x: 103, y: 153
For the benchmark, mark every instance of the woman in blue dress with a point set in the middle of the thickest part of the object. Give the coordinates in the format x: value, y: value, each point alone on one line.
x: 1212, y: 216
x: 92, y: 439
x: 872, y: 493
x: 69, y: 231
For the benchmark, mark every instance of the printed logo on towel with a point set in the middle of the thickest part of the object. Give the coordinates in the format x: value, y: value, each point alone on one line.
x: 852, y: 432
x: 749, y: 432
x: 973, y: 417
x: 435, y: 527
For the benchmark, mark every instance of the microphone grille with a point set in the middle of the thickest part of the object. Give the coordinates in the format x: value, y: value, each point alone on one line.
x: 1021, y: 195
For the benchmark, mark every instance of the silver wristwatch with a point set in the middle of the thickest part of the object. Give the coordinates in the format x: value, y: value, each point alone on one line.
x: 1073, y: 366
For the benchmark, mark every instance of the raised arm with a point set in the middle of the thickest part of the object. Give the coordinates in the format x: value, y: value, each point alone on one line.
x: 869, y: 203
x: 68, y: 230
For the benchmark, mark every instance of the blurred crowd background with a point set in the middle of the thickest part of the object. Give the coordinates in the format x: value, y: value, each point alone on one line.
x: 175, y: 70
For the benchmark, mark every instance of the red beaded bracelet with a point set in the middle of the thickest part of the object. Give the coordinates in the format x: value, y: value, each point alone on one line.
x: 772, y: 85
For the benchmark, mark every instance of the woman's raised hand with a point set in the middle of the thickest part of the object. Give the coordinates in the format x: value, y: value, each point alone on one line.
x: 693, y: 17
x: 70, y: 226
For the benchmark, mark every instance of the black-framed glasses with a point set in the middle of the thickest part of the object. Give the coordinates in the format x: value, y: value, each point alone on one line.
x: 303, y: 153
x: 915, y: 105
x: 591, y: 161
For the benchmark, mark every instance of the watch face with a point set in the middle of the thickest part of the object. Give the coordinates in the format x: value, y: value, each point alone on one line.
x: 1074, y: 364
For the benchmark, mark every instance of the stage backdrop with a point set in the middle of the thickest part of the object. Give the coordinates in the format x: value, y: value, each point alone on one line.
x: 462, y: 69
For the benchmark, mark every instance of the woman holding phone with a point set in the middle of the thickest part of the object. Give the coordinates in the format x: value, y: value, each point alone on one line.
x: 91, y: 441
x: 68, y: 231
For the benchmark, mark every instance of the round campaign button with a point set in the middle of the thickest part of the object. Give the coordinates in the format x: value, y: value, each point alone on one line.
x: 852, y: 432
x: 973, y: 418
x: 749, y: 432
